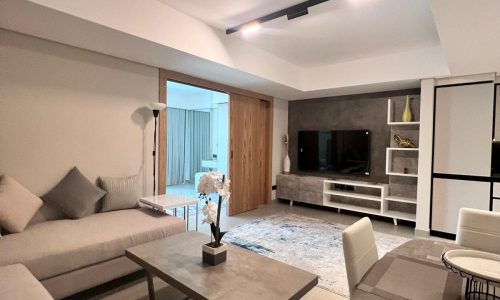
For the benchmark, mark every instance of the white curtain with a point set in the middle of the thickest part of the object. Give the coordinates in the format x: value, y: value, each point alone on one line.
x: 188, y: 143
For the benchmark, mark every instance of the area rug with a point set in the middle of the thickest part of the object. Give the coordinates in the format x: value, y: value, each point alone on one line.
x: 307, y: 243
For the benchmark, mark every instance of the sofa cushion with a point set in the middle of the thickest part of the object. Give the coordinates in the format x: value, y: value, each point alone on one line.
x: 17, y: 205
x: 56, y: 247
x: 18, y: 283
x: 74, y: 195
x: 121, y: 192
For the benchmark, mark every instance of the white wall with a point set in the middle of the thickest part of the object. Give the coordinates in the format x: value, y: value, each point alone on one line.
x: 62, y: 107
x: 425, y: 157
x: 280, y: 128
x: 469, y: 32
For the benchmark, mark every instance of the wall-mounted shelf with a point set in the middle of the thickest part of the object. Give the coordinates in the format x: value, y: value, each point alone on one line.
x: 388, y: 163
x: 402, y: 149
x: 390, y: 116
x: 416, y: 123
x: 402, y: 174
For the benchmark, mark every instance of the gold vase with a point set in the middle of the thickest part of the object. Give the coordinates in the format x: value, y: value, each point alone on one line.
x: 407, y: 112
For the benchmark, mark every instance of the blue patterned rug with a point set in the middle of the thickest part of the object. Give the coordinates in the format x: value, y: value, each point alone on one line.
x: 307, y: 243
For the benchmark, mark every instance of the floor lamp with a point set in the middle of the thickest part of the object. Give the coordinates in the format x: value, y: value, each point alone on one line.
x: 156, y: 107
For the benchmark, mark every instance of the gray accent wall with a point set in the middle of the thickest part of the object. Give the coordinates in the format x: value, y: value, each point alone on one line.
x: 351, y: 112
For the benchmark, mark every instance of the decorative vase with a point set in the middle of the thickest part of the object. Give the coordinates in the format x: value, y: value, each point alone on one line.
x: 407, y: 112
x: 286, y: 164
x: 214, y: 256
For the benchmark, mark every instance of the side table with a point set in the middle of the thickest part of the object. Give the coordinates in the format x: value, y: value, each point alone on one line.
x: 169, y: 201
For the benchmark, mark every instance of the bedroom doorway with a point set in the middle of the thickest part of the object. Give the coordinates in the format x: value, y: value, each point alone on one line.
x: 246, y: 150
x: 196, y: 136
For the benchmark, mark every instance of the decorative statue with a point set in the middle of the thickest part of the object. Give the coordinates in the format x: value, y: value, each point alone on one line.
x: 404, y: 142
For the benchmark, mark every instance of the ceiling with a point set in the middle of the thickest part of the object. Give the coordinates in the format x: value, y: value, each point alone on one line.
x: 334, y: 31
x: 341, y: 47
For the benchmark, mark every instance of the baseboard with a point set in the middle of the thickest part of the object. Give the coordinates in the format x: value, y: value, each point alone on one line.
x: 444, y: 235
x: 422, y: 233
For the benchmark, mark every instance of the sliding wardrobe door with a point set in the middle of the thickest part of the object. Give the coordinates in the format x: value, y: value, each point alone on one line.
x: 462, y: 152
x: 463, y: 130
x: 249, y: 152
x: 450, y: 195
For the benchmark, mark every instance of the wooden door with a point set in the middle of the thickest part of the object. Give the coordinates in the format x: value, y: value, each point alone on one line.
x: 249, y: 169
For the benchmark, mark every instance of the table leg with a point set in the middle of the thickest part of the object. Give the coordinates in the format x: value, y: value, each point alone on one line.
x: 197, y: 216
x: 151, y: 288
x: 186, y: 216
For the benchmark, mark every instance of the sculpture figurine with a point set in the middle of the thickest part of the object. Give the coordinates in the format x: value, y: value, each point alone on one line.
x: 404, y: 142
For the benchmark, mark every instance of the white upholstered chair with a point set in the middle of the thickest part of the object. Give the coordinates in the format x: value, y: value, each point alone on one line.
x: 360, y: 251
x: 479, y: 229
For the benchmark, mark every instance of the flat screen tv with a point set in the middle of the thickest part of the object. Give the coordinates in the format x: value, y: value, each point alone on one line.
x: 335, y: 151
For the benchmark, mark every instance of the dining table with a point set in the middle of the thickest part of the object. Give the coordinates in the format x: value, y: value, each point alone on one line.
x: 413, y: 270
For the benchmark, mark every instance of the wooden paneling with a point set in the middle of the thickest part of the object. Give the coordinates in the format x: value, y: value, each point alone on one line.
x: 162, y: 138
x: 249, y: 153
x: 265, y: 140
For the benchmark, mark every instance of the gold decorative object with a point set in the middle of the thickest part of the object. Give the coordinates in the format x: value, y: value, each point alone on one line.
x: 404, y: 142
x: 407, y: 112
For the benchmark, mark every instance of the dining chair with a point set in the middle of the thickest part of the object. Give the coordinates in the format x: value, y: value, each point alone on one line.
x: 479, y: 229
x: 360, y: 251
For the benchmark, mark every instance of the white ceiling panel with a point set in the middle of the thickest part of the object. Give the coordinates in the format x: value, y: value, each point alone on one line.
x: 334, y: 31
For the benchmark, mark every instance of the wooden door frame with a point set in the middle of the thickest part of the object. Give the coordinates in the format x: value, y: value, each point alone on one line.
x: 166, y: 75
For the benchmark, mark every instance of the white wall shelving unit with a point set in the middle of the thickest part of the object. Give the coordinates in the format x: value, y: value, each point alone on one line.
x: 382, y: 198
x: 390, y: 116
x: 388, y: 162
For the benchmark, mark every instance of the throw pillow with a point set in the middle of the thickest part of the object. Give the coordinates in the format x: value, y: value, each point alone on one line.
x: 122, y: 193
x: 74, y: 195
x: 17, y: 205
x: 46, y: 213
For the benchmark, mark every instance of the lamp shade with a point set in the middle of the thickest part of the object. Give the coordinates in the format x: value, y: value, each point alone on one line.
x: 157, y: 106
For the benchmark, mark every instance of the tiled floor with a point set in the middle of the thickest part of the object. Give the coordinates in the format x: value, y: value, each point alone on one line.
x: 138, y: 289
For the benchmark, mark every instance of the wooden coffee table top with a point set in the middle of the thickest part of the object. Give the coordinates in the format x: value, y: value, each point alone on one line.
x: 245, y: 275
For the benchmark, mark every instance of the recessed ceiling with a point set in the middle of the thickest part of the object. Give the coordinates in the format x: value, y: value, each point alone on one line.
x: 166, y: 37
x: 334, y: 31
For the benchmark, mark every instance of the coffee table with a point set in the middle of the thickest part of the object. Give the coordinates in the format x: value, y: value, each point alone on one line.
x: 170, y: 201
x: 245, y: 275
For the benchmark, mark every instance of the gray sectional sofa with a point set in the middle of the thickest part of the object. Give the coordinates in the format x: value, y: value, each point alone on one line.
x: 69, y: 256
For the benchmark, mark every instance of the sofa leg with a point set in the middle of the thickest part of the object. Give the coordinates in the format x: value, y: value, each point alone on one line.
x: 151, y: 288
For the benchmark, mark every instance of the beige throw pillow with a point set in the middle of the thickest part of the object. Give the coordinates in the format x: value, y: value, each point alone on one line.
x: 17, y: 205
x: 121, y: 193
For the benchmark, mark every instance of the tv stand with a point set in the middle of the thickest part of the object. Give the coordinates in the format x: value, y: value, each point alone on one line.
x: 352, y: 195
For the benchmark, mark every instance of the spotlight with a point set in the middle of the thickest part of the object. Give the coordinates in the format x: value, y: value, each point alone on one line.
x: 252, y: 27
